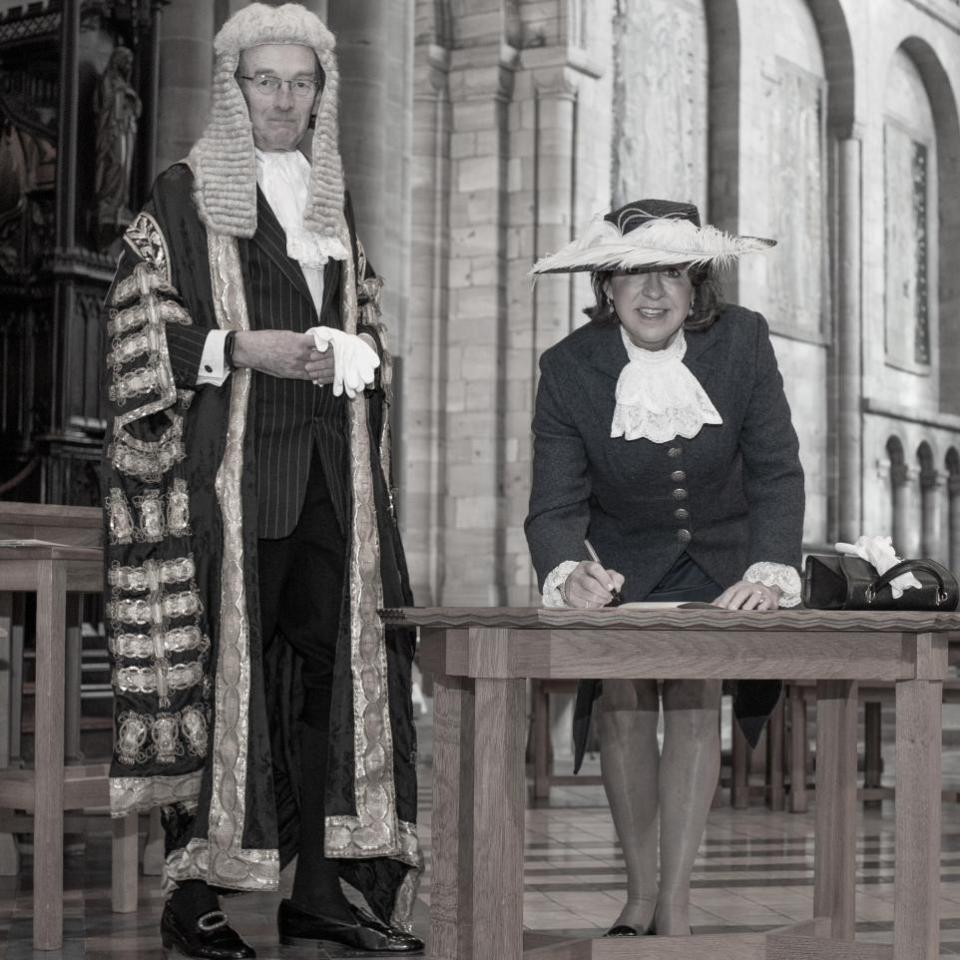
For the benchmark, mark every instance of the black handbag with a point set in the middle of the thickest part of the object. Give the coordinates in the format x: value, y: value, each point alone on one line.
x: 851, y: 583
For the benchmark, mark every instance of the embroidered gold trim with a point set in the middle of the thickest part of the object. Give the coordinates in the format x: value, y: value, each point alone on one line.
x: 120, y: 517
x: 178, y: 509
x: 148, y: 460
x: 160, y: 678
x: 228, y: 863
x: 140, y: 646
x: 144, y: 738
x: 140, y: 314
x: 142, y: 794
x: 184, y: 604
x: 410, y: 853
x: 129, y: 348
x: 374, y: 830
x: 147, y: 241
x: 138, y: 382
x: 143, y: 281
x: 250, y: 869
x: 151, y: 574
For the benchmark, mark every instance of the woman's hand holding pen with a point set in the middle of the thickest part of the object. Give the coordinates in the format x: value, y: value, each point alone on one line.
x: 590, y: 585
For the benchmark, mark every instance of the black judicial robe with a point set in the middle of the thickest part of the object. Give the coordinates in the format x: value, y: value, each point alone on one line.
x: 205, y: 722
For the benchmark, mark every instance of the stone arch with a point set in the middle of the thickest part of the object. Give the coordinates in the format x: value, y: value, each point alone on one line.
x: 838, y: 64
x: 946, y: 283
x: 724, y: 51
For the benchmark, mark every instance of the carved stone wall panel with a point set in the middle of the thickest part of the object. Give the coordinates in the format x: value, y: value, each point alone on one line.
x: 795, y: 132
x: 660, y: 101
x: 906, y: 337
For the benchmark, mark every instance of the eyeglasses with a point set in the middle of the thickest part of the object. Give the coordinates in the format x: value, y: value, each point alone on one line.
x: 267, y: 85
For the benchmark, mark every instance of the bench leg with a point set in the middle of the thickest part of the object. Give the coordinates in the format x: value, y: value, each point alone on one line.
x: 775, y: 793
x: 48, y: 776
x: 9, y: 855
x: 542, y: 760
x: 916, y: 913
x: 873, y: 744
x: 740, y: 769
x: 153, y: 850
x: 123, y: 877
x: 835, y: 855
x: 799, y: 748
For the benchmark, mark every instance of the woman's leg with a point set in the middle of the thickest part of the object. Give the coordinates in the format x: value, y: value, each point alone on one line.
x: 627, y: 724
x: 689, y: 769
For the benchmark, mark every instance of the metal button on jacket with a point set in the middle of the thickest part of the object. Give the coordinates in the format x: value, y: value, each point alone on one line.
x: 679, y: 494
x: 678, y: 476
x: 681, y: 513
x: 684, y: 535
x: 674, y: 452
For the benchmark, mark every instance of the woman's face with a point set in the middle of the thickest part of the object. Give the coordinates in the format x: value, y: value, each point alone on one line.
x: 652, y: 305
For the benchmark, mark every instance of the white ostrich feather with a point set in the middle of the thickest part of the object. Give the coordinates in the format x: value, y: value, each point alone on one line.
x: 661, y: 242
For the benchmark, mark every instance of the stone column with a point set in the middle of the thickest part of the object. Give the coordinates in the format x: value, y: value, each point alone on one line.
x: 953, y: 508
x: 186, y: 68
x: 375, y: 55
x: 543, y: 202
x: 423, y: 477
x: 481, y: 87
x: 849, y: 362
x: 906, y: 513
x: 932, y: 503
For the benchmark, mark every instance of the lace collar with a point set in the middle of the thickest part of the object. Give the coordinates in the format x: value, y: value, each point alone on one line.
x: 658, y: 397
x: 284, y: 178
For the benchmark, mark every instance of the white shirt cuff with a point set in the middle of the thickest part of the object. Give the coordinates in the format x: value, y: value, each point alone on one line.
x: 780, y: 575
x: 552, y: 597
x: 213, y: 370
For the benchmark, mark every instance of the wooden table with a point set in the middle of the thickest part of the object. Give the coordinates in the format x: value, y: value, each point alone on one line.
x: 52, y: 570
x: 480, y: 659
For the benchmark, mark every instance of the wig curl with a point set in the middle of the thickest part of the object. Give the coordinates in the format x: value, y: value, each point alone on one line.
x: 223, y: 159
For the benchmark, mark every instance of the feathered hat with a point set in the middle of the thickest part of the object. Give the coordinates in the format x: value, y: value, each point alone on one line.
x: 223, y: 159
x: 646, y: 234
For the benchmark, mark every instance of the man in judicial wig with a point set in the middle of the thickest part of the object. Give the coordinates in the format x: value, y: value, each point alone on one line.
x: 259, y: 700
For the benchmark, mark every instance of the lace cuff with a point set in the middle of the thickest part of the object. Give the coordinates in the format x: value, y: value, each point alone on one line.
x: 552, y: 597
x: 780, y: 575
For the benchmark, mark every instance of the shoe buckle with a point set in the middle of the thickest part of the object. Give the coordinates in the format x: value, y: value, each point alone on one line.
x: 213, y: 920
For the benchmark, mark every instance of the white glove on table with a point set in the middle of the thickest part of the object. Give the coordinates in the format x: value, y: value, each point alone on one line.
x: 879, y: 551
x: 354, y: 361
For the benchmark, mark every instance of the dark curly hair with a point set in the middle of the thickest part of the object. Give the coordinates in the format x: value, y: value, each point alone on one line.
x: 707, y: 298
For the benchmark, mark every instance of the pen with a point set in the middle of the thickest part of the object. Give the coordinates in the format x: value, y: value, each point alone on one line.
x: 616, y: 597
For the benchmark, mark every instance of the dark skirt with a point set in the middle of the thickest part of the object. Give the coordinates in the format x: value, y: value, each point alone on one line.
x: 753, y: 700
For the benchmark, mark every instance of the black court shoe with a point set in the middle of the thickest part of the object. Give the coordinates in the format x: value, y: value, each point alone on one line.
x: 209, y: 937
x: 628, y: 930
x: 299, y: 928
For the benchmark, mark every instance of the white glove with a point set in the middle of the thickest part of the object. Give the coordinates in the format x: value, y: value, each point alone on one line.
x: 879, y: 551
x: 354, y: 360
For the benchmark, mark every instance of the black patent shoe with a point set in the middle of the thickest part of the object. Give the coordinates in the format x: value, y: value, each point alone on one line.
x: 209, y: 937
x: 299, y: 928
x: 628, y: 930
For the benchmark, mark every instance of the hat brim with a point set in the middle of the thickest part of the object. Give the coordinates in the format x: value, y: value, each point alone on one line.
x: 657, y: 243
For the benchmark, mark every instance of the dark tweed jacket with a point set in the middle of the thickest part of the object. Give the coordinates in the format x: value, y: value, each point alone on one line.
x: 730, y: 496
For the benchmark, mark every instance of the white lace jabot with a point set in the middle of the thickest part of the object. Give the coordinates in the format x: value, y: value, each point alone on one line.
x: 659, y: 398
x: 284, y: 178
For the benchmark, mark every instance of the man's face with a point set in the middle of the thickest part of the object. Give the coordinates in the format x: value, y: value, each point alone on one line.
x: 279, y: 119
